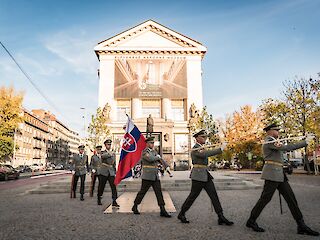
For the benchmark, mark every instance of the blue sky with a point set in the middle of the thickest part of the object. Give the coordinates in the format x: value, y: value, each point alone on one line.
x: 252, y: 47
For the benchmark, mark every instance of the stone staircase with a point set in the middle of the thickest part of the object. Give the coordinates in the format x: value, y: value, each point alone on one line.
x: 177, y: 183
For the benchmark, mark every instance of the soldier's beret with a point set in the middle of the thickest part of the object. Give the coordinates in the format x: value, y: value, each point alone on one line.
x: 98, y: 147
x: 150, y: 139
x: 201, y: 133
x: 108, y: 141
x: 272, y: 126
x: 81, y: 147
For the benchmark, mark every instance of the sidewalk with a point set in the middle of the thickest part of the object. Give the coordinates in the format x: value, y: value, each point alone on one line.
x: 40, y: 173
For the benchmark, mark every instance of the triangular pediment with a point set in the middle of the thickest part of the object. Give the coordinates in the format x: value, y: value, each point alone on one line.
x: 150, y: 36
x: 149, y: 39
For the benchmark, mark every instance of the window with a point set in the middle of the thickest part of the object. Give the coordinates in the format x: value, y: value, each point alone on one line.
x: 151, y: 106
x: 177, y: 114
x: 121, y: 113
x: 177, y: 108
x: 154, y: 111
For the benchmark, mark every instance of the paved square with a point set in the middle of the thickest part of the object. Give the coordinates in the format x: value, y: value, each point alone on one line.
x: 149, y: 203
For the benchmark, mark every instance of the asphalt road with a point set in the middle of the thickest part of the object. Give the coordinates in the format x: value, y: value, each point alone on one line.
x: 56, y: 216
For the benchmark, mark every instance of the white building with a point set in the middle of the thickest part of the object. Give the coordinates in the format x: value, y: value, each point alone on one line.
x: 151, y: 69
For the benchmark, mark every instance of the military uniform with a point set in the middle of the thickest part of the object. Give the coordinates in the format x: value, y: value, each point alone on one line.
x: 107, y: 172
x: 275, y: 178
x: 79, y: 164
x: 95, y: 165
x: 150, y: 177
x: 202, y: 179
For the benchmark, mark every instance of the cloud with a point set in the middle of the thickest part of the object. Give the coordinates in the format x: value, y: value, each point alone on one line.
x: 75, y: 48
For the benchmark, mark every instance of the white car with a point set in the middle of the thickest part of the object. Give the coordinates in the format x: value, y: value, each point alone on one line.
x: 36, y: 167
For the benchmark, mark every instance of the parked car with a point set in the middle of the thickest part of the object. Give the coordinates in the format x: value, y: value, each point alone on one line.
x: 59, y: 167
x: 236, y: 166
x: 50, y: 167
x: 287, y: 167
x: 222, y: 164
x: 212, y: 167
x: 8, y: 172
x: 181, y: 165
x: 35, y: 167
x: 296, y: 162
x: 23, y: 168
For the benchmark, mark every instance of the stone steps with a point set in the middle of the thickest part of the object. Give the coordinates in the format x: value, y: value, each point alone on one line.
x: 134, y: 186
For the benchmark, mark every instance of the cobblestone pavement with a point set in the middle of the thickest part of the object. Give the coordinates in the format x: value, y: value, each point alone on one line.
x: 56, y: 216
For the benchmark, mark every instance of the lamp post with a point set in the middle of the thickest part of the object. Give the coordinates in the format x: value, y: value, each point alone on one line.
x: 84, y: 123
x: 14, y: 146
x: 20, y: 125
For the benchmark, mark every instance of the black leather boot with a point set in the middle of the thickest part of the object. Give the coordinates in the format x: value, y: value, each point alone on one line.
x: 182, y: 218
x: 74, y: 194
x: 115, y: 204
x: 81, y: 197
x: 222, y: 220
x: 99, y: 200
x: 164, y: 213
x: 255, y: 227
x: 304, y: 229
x: 135, y: 209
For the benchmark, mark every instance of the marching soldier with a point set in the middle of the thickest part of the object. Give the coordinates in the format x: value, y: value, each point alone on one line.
x: 149, y: 160
x: 107, y: 173
x: 79, y: 166
x: 95, y: 168
x: 275, y: 178
x: 202, y: 179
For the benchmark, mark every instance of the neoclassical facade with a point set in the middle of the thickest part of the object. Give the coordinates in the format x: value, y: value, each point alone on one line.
x: 151, y: 69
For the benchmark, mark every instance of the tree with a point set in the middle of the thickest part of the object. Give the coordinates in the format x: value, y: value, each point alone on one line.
x: 98, y: 128
x: 242, y: 130
x: 277, y: 111
x: 302, y: 97
x: 204, y: 120
x: 10, y: 117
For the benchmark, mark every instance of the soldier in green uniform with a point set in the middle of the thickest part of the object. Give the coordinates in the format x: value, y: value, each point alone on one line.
x: 95, y: 168
x: 202, y: 179
x: 107, y: 172
x: 275, y: 178
x: 79, y: 166
x: 150, y: 177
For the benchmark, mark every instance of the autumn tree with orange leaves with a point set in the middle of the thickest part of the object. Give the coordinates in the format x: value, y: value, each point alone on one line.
x: 243, y: 132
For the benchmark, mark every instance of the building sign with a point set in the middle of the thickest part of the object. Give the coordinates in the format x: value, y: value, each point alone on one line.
x: 150, y: 78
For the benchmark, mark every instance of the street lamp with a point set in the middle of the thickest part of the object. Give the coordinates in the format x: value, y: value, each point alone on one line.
x: 20, y: 125
x: 84, y: 122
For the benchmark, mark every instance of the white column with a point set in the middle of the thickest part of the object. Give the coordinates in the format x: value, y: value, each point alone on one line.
x: 166, y: 108
x: 194, y: 80
x: 106, y: 83
x: 136, y: 107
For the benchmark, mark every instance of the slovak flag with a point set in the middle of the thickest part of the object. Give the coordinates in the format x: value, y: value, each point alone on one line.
x: 131, y: 150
